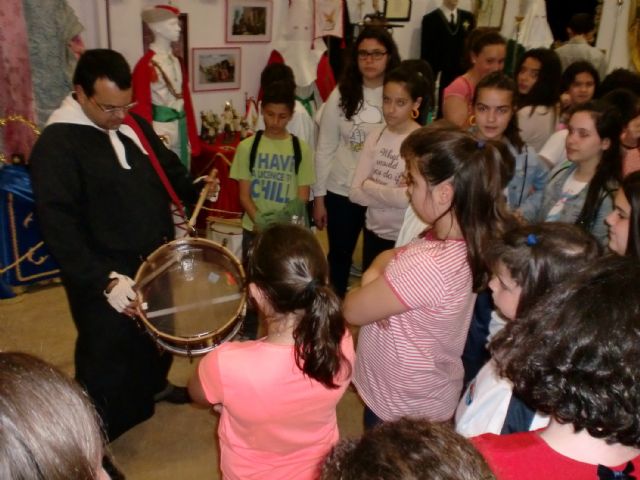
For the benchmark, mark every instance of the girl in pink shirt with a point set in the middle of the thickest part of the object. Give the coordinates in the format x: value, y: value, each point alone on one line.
x: 278, y: 395
x: 487, y: 49
x: 415, y: 302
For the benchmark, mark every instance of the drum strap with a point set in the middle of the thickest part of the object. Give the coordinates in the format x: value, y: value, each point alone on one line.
x: 153, y: 158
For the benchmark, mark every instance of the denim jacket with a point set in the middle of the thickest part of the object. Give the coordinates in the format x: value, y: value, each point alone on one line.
x: 573, y: 205
x: 525, y: 189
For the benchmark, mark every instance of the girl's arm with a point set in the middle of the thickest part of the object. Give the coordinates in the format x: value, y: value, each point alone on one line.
x: 303, y: 193
x: 385, y: 196
x: 196, y: 391
x: 328, y: 142
x: 363, y: 170
x: 374, y: 300
x: 456, y: 110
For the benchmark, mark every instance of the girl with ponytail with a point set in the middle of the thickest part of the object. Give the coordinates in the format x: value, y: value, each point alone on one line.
x: 416, y: 301
x: 278, y: 395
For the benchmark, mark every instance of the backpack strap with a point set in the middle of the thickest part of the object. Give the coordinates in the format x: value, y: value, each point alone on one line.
x: 297, y: 152
x: 254, y: 150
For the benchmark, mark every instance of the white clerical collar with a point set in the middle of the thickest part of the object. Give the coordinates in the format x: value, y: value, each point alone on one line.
x: 70, y: 111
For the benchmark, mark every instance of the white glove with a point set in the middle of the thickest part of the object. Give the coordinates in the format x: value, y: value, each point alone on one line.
x: 122, y: 293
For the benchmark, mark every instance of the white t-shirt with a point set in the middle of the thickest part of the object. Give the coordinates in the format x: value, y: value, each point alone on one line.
x: 412, y: 226
x: 484, y: 405
x: 378, y: 183
x: 554, y: 151
x: 340, y: 140
x: 536, y: 127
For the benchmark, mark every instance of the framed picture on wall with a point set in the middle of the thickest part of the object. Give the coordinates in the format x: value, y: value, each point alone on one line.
x: 490, y: 13
x: 248, y: 21
x: 180, y: 48
x: 215, y: 69
x: 397, y: 10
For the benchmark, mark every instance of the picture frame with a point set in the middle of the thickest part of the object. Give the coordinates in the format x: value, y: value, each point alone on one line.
x: 248, y: 21
x: 397, y: 10
x: 180, y: 48
x: 490, y: 13
x: 216, y: 69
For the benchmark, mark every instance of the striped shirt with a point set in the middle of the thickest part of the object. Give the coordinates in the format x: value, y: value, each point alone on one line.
x: 414, y: 368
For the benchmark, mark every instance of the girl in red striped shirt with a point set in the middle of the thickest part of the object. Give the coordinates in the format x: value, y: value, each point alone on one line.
x: 415, y: 302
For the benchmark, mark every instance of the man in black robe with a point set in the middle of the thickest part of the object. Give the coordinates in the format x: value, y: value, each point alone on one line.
x: 444, y: 32
x: 102, y: 209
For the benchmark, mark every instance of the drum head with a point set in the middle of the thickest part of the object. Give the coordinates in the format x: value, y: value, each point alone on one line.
x: 192, y: 295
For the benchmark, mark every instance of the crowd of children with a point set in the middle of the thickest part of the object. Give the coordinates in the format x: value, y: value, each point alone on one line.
x: 514, y: 221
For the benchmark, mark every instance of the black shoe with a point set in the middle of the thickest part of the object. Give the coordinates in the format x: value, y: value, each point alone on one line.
x: 113, y: 471
x: 173, y: 394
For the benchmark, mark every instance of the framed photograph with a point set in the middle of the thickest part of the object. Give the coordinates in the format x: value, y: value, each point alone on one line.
x: 216, y: 69
x: 248, y: 21
x: 490, y: 13
x: 397, y: 10
x: 180, y: 48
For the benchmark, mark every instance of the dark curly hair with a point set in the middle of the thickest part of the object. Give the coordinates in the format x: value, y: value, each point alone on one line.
x: 350, y: 84
x: 288, y: 265
x: 538, y: 257
x: 407, y: 449
x: 576, y: 354
x: 546, y: 90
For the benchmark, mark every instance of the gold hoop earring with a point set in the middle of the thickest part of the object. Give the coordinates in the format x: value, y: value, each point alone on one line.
x: 472, y: 120
x: 415, y: 113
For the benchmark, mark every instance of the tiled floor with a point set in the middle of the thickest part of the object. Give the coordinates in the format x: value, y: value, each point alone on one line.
x: 179, y: 441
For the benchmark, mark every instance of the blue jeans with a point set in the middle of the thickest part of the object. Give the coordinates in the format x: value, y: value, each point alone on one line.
x: 345, y: 220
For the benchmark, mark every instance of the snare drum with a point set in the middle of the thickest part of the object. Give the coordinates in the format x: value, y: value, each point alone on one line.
x: 191, y: 295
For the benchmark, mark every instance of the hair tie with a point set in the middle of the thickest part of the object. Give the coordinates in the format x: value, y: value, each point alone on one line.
x: 480, y: 144
x: 532, y: 239
x: 311, y: 286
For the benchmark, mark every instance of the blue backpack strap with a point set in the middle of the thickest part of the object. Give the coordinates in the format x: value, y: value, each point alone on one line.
x: 254, y: 150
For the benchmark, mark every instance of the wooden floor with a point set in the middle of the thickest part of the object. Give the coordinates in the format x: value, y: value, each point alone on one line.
x: 179, y: 441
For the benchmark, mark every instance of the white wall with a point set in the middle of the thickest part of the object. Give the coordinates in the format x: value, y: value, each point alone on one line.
x: 206, y: 29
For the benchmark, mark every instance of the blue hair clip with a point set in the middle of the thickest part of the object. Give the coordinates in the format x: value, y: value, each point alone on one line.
x: 480, y: 144
x: 532, y: 239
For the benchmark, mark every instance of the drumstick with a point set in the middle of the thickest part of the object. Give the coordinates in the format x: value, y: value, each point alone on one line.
x: 203, y: 196
x: 175, y: 258
x: 191, y: 306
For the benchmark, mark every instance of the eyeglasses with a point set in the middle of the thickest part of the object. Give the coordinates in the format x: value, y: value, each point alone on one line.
x: 111, y: 109
x: 374, y: 54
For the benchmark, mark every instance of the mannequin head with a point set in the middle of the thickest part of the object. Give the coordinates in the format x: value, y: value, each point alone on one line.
x: 162, y: 20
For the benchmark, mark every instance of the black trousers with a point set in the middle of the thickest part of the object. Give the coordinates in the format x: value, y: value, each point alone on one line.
x: 372, y: 246
x: 345, y: 220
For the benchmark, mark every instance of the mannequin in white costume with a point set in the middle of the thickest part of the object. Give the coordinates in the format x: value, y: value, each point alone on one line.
x: 160, y: 87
